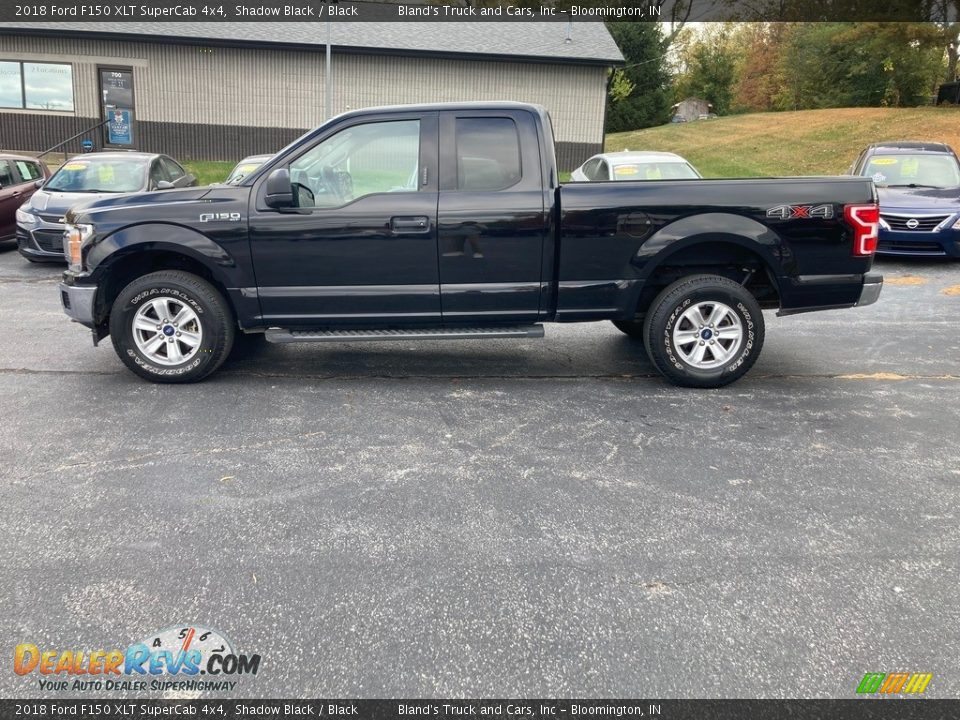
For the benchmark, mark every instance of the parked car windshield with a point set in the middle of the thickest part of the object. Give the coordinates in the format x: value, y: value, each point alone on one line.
x: 244, y: 168
x: 654, y: 171
x: 115, y: 175
x: 921, y: 170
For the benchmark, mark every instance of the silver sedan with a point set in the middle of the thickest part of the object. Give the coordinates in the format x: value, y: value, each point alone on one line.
x: 629, y: 165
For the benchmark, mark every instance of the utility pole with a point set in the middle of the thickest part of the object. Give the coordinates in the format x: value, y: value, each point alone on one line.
x: 328, y: 88
x: 328, y: 79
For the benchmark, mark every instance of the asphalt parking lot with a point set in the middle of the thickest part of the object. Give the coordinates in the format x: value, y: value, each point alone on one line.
x: 519, y: 518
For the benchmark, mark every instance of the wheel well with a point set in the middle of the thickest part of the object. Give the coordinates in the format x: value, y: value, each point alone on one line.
x: 740, y: 264
x: 126, y: 269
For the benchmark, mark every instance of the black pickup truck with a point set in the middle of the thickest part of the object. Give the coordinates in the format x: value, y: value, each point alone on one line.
x: 449, y: 221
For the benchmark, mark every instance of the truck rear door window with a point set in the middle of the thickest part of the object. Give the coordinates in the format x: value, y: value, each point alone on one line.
x: 488, y: 154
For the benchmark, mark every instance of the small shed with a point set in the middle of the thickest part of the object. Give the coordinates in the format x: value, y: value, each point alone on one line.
x: 692, y: 108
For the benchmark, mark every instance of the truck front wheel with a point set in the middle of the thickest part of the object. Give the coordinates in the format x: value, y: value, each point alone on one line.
x: 704, y: 331
x: 171, y: 327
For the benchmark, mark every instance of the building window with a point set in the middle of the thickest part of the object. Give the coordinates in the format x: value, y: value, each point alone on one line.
x: 36, y: 86
x: 11, y: 85
x: 48, y: 86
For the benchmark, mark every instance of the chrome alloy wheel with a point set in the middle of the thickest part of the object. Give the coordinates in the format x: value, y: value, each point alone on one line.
x: 167, y: 331
x: 708, y: 335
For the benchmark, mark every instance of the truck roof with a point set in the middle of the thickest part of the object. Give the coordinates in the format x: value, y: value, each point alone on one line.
x: 440, y: 106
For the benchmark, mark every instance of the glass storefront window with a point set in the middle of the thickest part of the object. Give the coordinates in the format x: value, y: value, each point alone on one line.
x: 48, y: 86
x: 11, y: 85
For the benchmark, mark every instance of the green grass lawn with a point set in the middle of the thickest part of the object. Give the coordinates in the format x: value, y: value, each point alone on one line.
x: 209, y: 171
x: 810, y: 142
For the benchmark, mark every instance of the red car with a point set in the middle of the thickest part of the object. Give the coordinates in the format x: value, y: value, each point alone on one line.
x: 18, y: 181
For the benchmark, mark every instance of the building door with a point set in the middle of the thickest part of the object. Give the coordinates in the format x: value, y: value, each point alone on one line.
x: 117, y: 107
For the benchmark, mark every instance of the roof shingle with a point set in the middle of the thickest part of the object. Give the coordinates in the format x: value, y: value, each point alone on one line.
x: 589, y: 42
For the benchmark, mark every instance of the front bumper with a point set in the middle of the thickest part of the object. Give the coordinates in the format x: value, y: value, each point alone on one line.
x: 872, y: 285
x: 78, y: 302
x: 945, y: 243
x: 42, y: 241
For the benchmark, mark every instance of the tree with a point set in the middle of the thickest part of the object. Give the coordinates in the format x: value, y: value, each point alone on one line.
x: 647, y: 101
x: 757, y: 81
x: 708, y: 68
x: 858, y: 64
x: 945, y: 14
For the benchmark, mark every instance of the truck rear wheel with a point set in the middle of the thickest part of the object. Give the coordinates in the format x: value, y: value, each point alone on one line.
x: 171, y: 327
x: 704, y: 331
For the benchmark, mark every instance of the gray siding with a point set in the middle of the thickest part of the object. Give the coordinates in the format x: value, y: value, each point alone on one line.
x: 224, y: 102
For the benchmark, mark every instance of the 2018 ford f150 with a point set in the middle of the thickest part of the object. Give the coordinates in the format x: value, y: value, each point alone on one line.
x: 449, y: 221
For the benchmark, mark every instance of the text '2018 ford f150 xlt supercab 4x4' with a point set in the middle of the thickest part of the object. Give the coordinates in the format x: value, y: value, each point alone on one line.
x: 448, y: 221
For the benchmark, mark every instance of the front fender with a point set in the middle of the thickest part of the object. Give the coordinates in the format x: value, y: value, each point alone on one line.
x: 224, y: 258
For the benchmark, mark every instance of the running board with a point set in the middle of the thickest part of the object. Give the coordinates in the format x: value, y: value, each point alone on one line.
x: 283, y: 335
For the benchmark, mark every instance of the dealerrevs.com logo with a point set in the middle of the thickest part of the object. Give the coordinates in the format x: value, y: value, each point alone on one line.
x: 172, y: 659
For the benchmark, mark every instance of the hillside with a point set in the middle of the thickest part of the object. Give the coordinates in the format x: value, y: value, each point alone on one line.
x: 809, y: 142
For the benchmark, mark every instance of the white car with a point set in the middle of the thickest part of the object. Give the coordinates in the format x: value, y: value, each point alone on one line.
x: 628, y: 165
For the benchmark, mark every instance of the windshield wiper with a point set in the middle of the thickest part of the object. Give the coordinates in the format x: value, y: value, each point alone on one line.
x: 73, y: 190
x: 915, y: 185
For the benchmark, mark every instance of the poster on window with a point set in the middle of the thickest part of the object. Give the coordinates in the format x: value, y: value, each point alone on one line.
x: 119, y: 128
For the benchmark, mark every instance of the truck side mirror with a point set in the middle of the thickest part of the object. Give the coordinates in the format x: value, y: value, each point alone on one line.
x: 165, y: 185
x: 279, y: 189
x: 39, y: 183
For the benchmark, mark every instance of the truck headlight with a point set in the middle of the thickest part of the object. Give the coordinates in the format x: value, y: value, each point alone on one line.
x: 884, y: 224
x: 26, y: 219
x: 956, y: 225
x: 74, y: 238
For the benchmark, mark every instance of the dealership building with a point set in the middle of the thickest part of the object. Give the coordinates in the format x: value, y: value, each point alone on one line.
x: 220, y: 91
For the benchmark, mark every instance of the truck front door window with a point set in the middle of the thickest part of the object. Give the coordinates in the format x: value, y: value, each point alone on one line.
x: 358, y: 161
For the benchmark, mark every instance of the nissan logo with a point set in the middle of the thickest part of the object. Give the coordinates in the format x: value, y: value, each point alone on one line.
x: 913, y: 223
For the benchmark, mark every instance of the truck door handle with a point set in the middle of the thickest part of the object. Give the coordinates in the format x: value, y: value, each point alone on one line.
x: 418, y: 224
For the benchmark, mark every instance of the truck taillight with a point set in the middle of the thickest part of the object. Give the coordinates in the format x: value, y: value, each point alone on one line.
x: 865, y: 221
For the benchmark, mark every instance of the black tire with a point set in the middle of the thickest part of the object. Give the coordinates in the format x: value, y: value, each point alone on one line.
x: 183, y: 290
x: 666, y: 314
x: 633, y: 328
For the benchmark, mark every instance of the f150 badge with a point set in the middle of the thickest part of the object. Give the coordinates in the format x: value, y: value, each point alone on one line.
x: 225, y: 217
x: 794, y: 212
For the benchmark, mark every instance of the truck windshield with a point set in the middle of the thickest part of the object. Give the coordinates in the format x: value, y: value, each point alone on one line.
x: 921, y: 170
x: 112, y: 175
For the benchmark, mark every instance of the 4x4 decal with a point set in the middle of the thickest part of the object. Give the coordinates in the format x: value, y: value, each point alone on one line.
x: 794, y: 212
